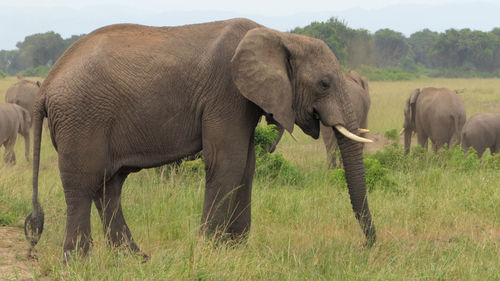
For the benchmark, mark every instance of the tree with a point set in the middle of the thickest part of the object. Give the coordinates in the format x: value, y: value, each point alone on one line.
x: 42, y: 48
x: 421, y: 43
x: 389, y: 48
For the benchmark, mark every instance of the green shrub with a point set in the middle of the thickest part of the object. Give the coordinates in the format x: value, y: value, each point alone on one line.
x: 377, y: 177
x: 7, y: 219
x: 264, y: 138
x: 39, y: 71
x: 2, y: 74
x: 276, y: 168
x: 392, y: 135
x: 273, y: 167
x: 491, y: 161
x: 385, y: 74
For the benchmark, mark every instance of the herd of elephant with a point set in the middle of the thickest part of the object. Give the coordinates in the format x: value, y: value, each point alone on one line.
x: 127, y: 97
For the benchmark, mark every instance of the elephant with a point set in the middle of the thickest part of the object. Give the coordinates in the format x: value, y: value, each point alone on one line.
x: 435, y: 113
x: 357, y: 88
x: 13, y: 120
x: 24, y: 93
x: 482, y: 131
x: 128, y: 97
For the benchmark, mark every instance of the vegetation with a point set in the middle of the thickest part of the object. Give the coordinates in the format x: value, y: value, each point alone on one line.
x: 389, y: 55
x: 437, y: 215
x: 37, y: 50
x: 383, y: 55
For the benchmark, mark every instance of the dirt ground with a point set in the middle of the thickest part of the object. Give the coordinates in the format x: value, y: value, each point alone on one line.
x: 15, y: 265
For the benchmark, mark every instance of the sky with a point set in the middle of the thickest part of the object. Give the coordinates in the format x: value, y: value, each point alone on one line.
x: 19, y: 18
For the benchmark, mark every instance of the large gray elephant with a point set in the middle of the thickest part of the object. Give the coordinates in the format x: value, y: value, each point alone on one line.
x: 127, y: 97
x: 357, y: 88
x: 435, y: 113
x: 482, y: 131
x: 23, y: 93
x: 13, y: 120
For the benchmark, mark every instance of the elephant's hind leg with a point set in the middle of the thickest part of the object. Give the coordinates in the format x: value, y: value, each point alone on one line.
x: 10, y: 156
x: 78, y: 201
x: 108, y: 204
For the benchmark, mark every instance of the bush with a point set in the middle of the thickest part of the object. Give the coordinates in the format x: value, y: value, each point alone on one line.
x: 264, y: 138
x: 274, y: 166
x: 39, y: 71
x: 7, y: 219
x: 385, y: 74
x: 2, y: 74
x: 377, y: 177
x: 392, y: 135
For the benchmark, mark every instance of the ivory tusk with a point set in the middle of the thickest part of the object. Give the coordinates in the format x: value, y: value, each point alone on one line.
x: 362, y: 131
x: 350, y: 135
x: 402, y: 131
x: 293, y: 137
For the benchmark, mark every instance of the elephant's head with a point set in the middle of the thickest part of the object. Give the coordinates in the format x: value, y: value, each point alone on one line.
x: 409, y: 123
x: 297, y: 79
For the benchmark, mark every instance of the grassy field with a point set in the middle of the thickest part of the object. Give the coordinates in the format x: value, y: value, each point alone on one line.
x: 438, y: 218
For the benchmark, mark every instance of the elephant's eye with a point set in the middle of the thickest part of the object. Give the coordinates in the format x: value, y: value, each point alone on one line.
x: 324, y: 84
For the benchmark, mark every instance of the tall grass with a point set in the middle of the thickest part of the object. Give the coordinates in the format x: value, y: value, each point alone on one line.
x: 440, y: 220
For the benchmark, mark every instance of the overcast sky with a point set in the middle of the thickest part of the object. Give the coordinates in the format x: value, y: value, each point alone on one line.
x: 19, y: 18
x: 262, y: 7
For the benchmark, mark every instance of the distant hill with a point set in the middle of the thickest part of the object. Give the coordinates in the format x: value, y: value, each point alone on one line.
x: 17, y: 23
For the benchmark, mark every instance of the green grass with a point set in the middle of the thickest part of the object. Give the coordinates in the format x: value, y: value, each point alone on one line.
x: 440, y: 220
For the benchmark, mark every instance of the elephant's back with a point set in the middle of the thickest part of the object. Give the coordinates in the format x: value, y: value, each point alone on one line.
x: 442, y: 100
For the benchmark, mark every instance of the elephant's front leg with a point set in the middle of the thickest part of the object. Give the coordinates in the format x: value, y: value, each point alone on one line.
x: 230, y: 166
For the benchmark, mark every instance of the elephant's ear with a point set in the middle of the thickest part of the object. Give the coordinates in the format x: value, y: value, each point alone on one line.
x: 260, y: 68
x: 359, y: 79
x: 414, y: 95
x: 412, y: 105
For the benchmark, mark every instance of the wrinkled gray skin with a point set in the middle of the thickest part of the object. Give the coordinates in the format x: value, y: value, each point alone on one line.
x: 24, y: 93
x: 13, y: 120
x: 482, y: 131
x: 357, y: 88
x: 433, y: 113
x: 127, y: 97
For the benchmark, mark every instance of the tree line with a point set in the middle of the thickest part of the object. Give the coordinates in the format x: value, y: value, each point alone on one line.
x: 453, y: 53
x: 385, y: 54
x: 35, y: 54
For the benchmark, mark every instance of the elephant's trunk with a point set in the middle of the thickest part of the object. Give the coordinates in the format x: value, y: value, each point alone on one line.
x: 352, y: 157
x: 407, y: 133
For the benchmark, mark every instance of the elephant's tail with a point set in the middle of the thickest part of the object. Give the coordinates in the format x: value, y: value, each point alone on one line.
x: 33, y: 225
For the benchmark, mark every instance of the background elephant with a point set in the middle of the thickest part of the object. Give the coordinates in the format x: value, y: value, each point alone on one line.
x: 357, y: 88
x: 13, y: 120
x: 482, y: 131
x: 435, y: 113
x: 127, y: 97
x: 23, y: 93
